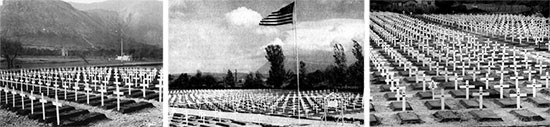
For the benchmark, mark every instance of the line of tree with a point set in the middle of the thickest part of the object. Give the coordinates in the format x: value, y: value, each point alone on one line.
x: 337, y: 76
x: 10, y: 51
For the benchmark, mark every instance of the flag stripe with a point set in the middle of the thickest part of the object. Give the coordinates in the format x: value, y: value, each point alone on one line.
x: 277, y: 20
x: 280, y: 17
x: 274, y: 24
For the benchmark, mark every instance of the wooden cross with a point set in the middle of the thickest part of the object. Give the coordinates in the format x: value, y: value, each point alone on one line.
x: 481, y: 94
x: 57, y: 105
x: 43, y: 108
x: 467, y: 87
x: 518, y: 96
x: 534, y: 85
x: 118, y: 94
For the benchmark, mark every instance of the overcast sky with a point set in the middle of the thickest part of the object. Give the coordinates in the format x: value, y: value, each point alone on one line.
x: 216, y: 35
x: 79, y: 1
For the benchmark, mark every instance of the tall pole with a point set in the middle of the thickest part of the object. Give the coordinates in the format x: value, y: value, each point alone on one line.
x: 121, y: 43
x: 295, y: 15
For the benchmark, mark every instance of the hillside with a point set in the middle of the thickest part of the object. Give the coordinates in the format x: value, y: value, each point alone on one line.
x: 144, y: 17
x: 57, y: 24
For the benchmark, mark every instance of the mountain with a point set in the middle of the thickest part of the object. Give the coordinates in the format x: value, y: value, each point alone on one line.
x: 57, y: 24
x: 315, y: 60
x: 144, y: 17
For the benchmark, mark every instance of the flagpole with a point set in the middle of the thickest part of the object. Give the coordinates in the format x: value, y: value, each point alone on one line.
x: 295, y: 19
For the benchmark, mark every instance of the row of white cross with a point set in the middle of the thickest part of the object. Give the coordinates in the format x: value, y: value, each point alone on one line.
x: 270, y: 99
x: 392, y: 81
x: 44, y: 78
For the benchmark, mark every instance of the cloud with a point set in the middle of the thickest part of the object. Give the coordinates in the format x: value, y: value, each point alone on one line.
x: 243, y: 16
x: 276, y: 41
x: 266, y: 31
x: 321, y: 35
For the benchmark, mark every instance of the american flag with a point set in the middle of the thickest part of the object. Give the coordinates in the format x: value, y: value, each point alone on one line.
x: 281, y: 17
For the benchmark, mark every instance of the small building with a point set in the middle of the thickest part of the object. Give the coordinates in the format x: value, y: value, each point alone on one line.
x: 124, y: 58
x: 64, y: 52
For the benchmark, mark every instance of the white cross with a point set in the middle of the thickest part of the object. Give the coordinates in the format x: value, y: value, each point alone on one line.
x: 403, y: 95
x: 517, y: 78
x: 529, y: 72
x: 102, y: 90
x: 424, y: 82
x: 13, y: 93
x: 160, y: 88
x: 76, y: 88
x: 432, y: 87
x: 534, y: 85
x: 57, y: 105
x: 87, y: 89
x: 546, y: 78
x: 22, y: 98
x: 48, y: 88
x: 518, y: 96
x: 32, y: 101
x: 442, y: 97
x: 487, y: 79
x: 481, y: 94
x: 118, y: 94
x: 447, y: 75
x: 144, y: 84
x: 467, y: 87
x: 43, y: 108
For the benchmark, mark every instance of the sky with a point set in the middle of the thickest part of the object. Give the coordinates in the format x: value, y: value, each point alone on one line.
x: 217, y: 35
x: 84, y: 1
x: 79, y: 1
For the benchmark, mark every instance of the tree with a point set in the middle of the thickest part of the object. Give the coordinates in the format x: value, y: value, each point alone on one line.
x: 303, y: 78
x: 196, y: 81
x: 276, y: 73
x: 181, y: 82
x: 356, y: 69
x: 210, y: 81
x: 249, y: 81
x: 339, y: 71
x: 229, y: 79
x: 10, y: 51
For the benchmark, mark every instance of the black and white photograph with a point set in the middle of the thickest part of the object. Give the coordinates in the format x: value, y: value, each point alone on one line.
x: 91, y: 63
x: 266, y: 63
x: 459, y: 63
